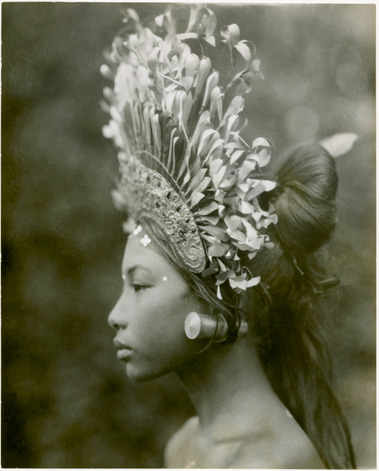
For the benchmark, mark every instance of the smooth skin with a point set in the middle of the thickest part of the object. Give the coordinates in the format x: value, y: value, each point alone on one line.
x: 240, y: 421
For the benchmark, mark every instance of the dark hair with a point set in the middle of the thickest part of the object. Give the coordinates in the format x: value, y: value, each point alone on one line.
x: 291, y: 339
x: 285, y: 306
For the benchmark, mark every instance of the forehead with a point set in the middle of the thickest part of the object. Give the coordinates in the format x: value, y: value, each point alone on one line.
x: 136, y: 254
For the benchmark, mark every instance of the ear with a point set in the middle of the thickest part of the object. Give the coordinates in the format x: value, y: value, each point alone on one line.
x: 339, y: 144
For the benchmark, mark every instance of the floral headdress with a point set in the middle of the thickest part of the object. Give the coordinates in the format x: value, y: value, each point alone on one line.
x: 176, y: 123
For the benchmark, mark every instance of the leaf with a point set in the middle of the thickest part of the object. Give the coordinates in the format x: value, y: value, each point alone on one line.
x: 244, y: 187
x: 259, y: 187
x: 208, y: 19
x: 269, y: 184
x: 231, y: 126
x: 237, y: 235
x: 244, y: 50
x: 207, y: 139
x: 159, y: 20
x: 219, y: 196
x: 202, y: 74
x: 212, y: 82
x: 215, y: 166
x: 235, y: 107
x: 236, y: 155
x: 184, y: 36
x: 222, y: 266
x: 237, y: 284
x: 202, y: 124
x: 209, y: 238
x: 217, y: 178
x: 196, y: 197
x: 209, y: 271
x: 229, y: 146
x: 130, y: 13
x: 186, y: 83
x: 197, y: 179
x: 187, y: 106
x: 233, y: 222
x: 217, y: 145
x: 260, y: 142
x: 193, y: 17
x: 177, y: 107
x: 246, y: 208
x: 255, y: 65
x: 218, y: 250
x: 169, y: 100
x: 210, y: 40
x: 208, y: 209
x: 251, y: 232
x: 156, y: 133
x: 339, y: 144
x: 231, y: 34
x: 153, y: 59
x: 246, y: 168
x: 203, y: 185
x: 216, y: 103
x: 220, y: 234
x: 228, y: 181
x: 210, y: 219
x: 232, y: 201
x: 253, y: 281
x: 191, y: 64
x: 251, y: 255
x: 147, y: 126
x: 172, y: 87
x: 264, y: 157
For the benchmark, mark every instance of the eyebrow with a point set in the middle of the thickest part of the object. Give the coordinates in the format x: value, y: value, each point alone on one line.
x: 130, y: 271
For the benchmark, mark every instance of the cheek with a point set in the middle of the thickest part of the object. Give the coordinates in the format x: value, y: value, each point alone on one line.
x: 161, y: 324
x: 164, y: 311
x: 158, y: 333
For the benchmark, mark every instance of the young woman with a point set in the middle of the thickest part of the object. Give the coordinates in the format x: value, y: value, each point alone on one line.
x: 223, y: 278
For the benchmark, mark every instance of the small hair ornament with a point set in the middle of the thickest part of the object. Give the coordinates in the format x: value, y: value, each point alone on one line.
x: 176, y: 123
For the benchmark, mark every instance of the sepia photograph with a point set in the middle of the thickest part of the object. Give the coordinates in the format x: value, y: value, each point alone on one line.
x: 188, y: 235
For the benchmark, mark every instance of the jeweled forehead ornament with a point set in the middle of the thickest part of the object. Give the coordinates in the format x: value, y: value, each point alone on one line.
x: 145, y: 239
x: 176, y: 123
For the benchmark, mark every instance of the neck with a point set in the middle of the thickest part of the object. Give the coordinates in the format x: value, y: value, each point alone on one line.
x: 229, y: 389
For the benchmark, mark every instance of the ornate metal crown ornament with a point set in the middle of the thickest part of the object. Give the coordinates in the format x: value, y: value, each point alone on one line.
x: 176, y: 123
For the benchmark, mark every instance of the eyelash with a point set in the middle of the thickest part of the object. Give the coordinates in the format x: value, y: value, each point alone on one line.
x: 137, y: 288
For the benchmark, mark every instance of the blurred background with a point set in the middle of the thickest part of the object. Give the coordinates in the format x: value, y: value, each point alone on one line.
x: 66, y: 401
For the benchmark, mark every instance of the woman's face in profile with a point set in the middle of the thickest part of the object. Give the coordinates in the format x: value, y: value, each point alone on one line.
x: 149, y: 316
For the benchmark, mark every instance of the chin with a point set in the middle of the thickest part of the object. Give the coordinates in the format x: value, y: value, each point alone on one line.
x: 139, y: 375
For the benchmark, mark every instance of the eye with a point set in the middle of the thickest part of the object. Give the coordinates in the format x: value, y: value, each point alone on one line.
x: 137, y: 288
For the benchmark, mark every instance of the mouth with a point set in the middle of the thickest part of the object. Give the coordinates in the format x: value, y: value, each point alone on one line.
x: 123, y: 351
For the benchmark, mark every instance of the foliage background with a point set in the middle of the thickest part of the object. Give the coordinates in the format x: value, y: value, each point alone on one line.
x: 65, y: 399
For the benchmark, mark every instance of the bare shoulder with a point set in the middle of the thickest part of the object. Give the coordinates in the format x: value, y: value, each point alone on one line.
x: 177, y: 450
x: 296, y: 447
x: 272, y: 458
x: 279, y: 444
x: 285, y: 446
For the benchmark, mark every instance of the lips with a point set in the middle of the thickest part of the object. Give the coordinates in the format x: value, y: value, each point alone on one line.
x: 124, y: 354
x: 123, y: 351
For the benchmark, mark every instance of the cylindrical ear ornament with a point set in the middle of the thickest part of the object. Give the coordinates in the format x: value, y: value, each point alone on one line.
x: 205, y: 326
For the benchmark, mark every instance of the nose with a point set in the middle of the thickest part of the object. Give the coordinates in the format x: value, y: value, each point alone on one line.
x: 117, y: 317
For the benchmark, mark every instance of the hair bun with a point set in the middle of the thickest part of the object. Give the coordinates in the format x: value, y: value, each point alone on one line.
x: 307, y: 185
